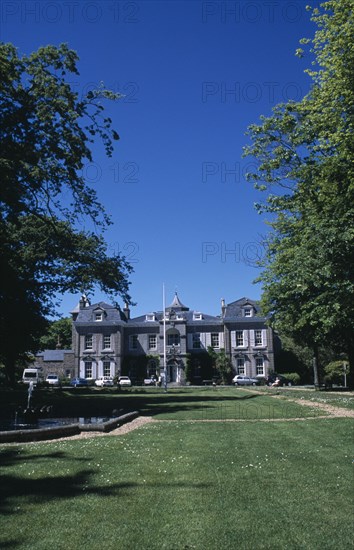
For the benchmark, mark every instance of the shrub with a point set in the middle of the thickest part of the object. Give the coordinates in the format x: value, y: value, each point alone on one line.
x: 293, y: 377
x: 334, y: 372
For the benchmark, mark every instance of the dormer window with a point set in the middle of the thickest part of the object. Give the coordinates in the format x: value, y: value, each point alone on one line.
x: 98, y: 315
x: 197, y: 316
x: 248, y: 312
x: 150, y: 317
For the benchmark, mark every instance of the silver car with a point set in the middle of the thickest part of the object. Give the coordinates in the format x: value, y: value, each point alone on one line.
x: 242, y: 380
x: 53, y: 380
x: 124, y: 381
x: 104, y: 381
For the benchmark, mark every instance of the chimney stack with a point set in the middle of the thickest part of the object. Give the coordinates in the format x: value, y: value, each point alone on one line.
x: 223, y: 307
x: 126, y: 311
x: 84, y: 302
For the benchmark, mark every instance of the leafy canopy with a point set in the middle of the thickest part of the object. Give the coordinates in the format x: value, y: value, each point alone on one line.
x: 305, y: 154
x: 46, y: 134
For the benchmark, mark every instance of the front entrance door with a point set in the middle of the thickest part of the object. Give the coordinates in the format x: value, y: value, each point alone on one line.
x: 173, y: 371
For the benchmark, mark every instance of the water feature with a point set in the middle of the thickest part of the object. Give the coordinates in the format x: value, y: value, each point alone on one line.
x: 20, y: 422
x: 39, y: 418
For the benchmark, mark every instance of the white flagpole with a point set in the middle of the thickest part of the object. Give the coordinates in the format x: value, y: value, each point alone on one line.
x: 164, y: 338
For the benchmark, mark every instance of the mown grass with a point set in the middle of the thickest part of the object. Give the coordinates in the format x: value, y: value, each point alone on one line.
x: 183, y: 484
x: 183, y: 403
x: 342, y: 399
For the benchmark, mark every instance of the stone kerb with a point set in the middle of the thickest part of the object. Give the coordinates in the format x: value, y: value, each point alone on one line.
x: 40, y: 434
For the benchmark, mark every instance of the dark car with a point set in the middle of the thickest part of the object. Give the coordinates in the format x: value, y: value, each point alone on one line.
x: 76, y: 382
x: 282, y: 380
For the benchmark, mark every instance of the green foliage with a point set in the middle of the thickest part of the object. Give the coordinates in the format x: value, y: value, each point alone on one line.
x: 334, y: 372
x: 221, y: 365
x: 304, y: 153
x: 47, y: 131
x: 293, y: 377
x: 188, y: 373
x: 59, y: 333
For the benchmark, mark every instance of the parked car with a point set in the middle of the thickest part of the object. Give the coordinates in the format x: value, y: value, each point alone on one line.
x: 76, y: 382
x: 104, y: 381
x: 53, y: 380
x: 124, y: 381
x: 150, y: 381
x: 32, y: 375
x: 241, y: 380
x: 282, y: 380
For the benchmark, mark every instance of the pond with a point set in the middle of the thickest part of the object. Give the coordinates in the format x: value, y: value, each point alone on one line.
x: 15, y: 422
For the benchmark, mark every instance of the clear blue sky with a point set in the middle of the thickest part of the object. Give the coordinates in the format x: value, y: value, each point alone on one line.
x: 195, y: 74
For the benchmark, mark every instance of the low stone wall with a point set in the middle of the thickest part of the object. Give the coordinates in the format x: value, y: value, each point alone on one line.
x: 110, y: 424
x: 41, y: 434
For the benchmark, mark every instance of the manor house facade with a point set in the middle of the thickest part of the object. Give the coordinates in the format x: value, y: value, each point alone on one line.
x: 106, y: 341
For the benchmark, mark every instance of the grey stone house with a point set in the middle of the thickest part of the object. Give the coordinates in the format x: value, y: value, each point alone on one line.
x: 108, y: 342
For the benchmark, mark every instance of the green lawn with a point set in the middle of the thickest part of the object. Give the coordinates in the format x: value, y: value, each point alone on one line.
x: 183, y: 484
x: 343, y: 399
x: 183, y: 403
x: 179, y: 485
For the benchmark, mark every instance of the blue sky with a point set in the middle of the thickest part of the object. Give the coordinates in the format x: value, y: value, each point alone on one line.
x: 194, y: 75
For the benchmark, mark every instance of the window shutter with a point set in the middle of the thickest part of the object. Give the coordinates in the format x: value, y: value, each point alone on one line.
x: 190, y: 341
x: 207, y: 339
x: 245, y: 338
x: 264, y: 337
x: 221, y: 340
x: 252, y: 338
x: 203, y: 340
x: 233, y: 338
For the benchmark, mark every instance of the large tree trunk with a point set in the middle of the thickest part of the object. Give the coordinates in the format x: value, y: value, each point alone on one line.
x: 316, y: 379
x: 350, y: 377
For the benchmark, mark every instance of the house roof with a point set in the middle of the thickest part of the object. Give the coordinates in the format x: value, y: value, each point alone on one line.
x: 182, y: 315
x: 113, y: 314
x: 236, y: 310
x: 53, y: 354
x: 177, y: 304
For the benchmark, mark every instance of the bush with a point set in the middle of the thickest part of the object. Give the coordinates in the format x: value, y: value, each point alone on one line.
x: 334, y: 372
x: 293, y: 377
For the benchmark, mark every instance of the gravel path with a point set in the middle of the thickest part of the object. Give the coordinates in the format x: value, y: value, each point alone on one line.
x: 337, y: 412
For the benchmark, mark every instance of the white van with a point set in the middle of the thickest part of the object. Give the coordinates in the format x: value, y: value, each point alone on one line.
x: 31, y: 375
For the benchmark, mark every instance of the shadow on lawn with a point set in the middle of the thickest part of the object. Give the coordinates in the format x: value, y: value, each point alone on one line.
x: 150, y: 403
x: 17, y: 493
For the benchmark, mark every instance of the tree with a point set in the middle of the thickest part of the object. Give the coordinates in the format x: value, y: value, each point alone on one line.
x: 298, y: 358
x: 336, y: 372
x: 58, y: 334
x: 305, y: 164
x: 221, y: 364
x: 47, y: 131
